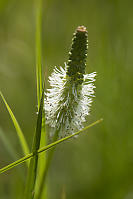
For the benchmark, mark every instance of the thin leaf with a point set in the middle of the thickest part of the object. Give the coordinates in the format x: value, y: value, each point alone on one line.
x: 20, y: 134
x: 41, y: 160
x: 45, y: 148
x: 48, y: 161
x: 39, y: 51
x: 9, y: 148
x: 32, y: 172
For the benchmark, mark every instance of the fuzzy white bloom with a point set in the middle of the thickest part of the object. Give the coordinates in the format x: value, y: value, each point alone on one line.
x: 68, y: 103
x: 69, y: 99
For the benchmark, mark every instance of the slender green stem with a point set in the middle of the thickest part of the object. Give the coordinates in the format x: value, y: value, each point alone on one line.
x: 32, y: 171
x: 39, y: 14
x: 48, y: 161
x: 45, y: 148
x: 39, y: 50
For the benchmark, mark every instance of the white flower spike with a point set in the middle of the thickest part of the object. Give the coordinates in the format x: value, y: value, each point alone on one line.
x: 69, y: 99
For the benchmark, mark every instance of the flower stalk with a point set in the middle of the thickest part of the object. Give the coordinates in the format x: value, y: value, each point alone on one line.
x: 69, y: 99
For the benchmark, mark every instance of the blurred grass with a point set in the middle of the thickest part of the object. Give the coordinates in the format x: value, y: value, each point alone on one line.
x: 19, y: 132
x: 101, y: 162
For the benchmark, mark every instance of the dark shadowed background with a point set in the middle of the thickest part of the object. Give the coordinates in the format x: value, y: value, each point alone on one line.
x: 99, y: 163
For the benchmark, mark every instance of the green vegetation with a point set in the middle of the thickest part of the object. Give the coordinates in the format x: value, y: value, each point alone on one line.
x: 98, y: 164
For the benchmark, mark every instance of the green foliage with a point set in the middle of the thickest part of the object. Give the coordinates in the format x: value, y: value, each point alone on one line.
x: 99, y: 164
x: 32, y: 171
x: 17, y: 127
x: 39, y: 82
x: 45, y: 148
x: 39, y: 50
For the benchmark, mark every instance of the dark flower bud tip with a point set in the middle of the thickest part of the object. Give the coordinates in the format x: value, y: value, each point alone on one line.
x: 77, y: 56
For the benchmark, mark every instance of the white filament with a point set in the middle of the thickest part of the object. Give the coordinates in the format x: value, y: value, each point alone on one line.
x: 66, y: 104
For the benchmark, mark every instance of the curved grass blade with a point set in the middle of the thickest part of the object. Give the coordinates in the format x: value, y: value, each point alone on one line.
x: 12, y: 152
x: 45, y: 148
x: 20, y: 134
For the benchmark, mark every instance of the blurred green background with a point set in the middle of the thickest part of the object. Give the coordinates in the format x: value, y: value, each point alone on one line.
x: 99, y: 164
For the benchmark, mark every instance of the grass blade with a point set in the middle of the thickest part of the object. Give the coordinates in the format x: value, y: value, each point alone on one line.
x: 12, y: 152
x: 41, y: 159
x: 48, y: 161
x: 39, y: 51
x: 20, y: 134
x: 32, y: 172
x: 45, y: 148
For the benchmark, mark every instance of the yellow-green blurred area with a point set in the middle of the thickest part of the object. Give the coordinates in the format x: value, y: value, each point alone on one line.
x: 99, y: 163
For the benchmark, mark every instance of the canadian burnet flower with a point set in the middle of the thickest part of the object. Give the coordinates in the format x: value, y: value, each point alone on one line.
x: 68, y: 101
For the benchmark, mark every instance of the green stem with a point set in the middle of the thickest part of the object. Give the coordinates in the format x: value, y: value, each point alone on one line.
x: 45, y: 148
x: 48, y: 161
x: 41, y: 160
x: 39, y: 50
x: 32, y: 171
